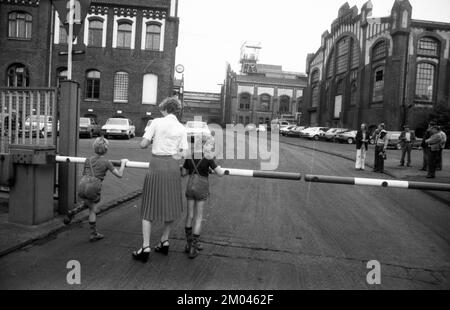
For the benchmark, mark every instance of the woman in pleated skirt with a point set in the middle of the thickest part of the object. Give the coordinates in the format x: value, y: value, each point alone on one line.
x: 162, y: 193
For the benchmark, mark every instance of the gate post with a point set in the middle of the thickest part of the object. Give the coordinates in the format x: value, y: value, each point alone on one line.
x: 69, y: 117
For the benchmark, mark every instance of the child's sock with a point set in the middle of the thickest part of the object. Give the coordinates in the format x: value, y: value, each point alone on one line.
x: 93, y: 227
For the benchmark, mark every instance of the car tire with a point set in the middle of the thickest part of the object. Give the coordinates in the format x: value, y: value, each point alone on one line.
x: 350, y: 141
x: 316, y: 138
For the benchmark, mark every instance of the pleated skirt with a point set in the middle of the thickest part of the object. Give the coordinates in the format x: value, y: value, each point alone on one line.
x: 162, y: 198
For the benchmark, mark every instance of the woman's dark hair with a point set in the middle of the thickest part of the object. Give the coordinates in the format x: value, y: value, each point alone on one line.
x: 171, y: 105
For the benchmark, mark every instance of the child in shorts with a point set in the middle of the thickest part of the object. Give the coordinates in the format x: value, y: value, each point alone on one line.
x: 197, y: 167
x: 97, y: 166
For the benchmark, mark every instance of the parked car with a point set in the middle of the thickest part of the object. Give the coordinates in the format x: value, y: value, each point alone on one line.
x: 295, y: 132
x: 313, y: 132
x: 331, y: 133
x: 394, y: 141
x: 346, y: 137
x: 39, y: 123
x: 119, y: 127
x: 261, y: 128
x: 196, y: 128
x: 285, y: 130
x: 250, y: 127
x: 89, y: 127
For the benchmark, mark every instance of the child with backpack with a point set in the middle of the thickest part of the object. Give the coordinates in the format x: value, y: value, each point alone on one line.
x: 197, y: 190
x: 94, y: 172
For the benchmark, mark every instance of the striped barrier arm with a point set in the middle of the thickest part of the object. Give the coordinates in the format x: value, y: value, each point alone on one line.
x: 231, y: 172
x: 378, y: 182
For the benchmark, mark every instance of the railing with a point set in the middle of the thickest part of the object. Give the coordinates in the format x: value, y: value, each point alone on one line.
x: 27, y: 117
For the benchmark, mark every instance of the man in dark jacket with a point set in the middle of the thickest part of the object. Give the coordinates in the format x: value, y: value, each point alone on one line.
x: 425, y: 149
x: 407, y: 139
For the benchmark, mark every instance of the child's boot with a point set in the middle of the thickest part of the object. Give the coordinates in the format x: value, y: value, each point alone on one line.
x: 193, y: 251
x: 95, y: 235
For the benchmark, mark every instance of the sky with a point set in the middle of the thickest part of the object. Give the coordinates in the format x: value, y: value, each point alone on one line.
x: 212, y: 32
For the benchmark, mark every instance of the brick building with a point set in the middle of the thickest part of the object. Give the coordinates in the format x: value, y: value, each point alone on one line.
x: 261, y: 93
x: 204, y: 105
x: 124, y: 54
x: 391, y: 69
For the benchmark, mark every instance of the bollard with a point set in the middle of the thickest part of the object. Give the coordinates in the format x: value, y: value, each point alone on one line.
x: 31, y: 196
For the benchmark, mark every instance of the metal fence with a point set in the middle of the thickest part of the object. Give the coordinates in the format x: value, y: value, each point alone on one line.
x: 27, y: 117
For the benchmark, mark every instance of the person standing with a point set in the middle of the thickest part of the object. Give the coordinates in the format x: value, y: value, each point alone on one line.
x: 425, y: 149
x: 381, y: 143
x: 362, y: 145
x: 407, y: 139
x: 162, y: 193
x: 443, y: 143
x: 434, y: 144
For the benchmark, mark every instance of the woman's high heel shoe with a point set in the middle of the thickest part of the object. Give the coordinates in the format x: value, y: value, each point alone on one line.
x: 141, y: 254
x: 163, y: 247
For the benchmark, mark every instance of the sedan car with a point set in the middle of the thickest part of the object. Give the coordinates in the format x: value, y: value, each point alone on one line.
x: 395, y: 143
x: 89, y: 127
x: 331, y: 133
x: 295, y: 132
x: 314, y: 132
x: 347, y: 137
x: 285, y: 130
x: 119, y: 127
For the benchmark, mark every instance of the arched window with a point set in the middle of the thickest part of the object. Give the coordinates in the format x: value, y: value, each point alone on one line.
x: 331, y: 63
x: 244, y: 101
x: 315, y: 89
x: 379, y: 51
x: 425, y: 81
x: 343, y: 50
x: 264, y: 101
x: 124, y: 29
x: 18, y: 76
x: 150, y: 89
x: 355, y: 55
x: 152, y: 37
x: 95, y: 35
x: 61, y: 76
x: 19, y: 25
x: 121, y: 87
x: 284, y: 104
x: 428, y: 47
x: 93, y: 84
x: 315, y: 77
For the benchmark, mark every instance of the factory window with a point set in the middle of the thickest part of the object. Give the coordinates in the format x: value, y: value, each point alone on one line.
x: 153, y: 37
x: 19, y: 25
x: 121, y: 87
x: 343, y: 49
x: 354, y: 94
x: 95, y: 34
x: 93, y: 85
x: 18, y: 76
x: 379, y: 51
x: 425, y: 82
x: 62, y: 34
x: 428, y: 47
x: 378, y: 84
x: 124, y: 30
x: 244, y: 101
x: 315, y: 97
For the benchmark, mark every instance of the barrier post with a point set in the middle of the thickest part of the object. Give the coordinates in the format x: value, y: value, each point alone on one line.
x: 31, y: 195
x: 69, y: 117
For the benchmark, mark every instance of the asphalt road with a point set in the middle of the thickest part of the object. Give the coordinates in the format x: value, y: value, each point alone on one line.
x: 261, y: 234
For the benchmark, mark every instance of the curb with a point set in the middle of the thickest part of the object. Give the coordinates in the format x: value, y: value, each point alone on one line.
x: 431, y: 194
x: 80, y: 217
